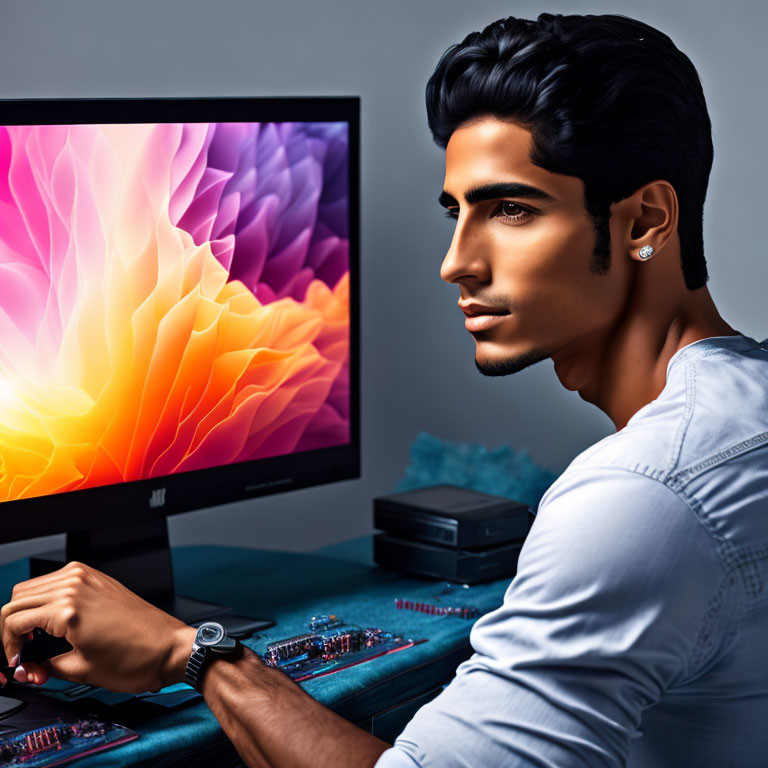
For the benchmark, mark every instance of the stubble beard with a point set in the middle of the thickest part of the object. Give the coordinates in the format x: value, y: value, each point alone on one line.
x: 511, y: 365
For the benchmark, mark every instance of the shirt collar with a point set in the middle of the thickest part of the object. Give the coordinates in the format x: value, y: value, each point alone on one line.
x: 733, y: 341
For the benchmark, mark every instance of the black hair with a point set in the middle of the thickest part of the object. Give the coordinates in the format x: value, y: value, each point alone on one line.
x: 607, y: 98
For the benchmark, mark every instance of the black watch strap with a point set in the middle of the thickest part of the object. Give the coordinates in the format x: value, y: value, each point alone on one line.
x: 193, y: 674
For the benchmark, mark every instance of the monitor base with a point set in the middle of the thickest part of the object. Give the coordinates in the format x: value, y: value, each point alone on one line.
x: 241, y: 626
x: 195, y: 612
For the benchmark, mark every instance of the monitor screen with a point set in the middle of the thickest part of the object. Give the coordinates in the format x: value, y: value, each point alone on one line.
x: 174, y: 297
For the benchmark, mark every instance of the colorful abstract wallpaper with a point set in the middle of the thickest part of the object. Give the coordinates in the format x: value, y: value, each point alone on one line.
x: 172, y: 297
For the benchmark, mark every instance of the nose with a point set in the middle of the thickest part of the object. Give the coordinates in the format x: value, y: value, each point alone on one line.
x: 464, y: 260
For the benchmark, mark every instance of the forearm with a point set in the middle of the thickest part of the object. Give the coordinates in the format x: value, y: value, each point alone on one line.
x: 273, y: 722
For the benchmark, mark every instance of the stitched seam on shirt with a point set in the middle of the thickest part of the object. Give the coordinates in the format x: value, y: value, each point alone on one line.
x: 690, y: 358
x: 703, y: 642
x: 730, y: 560
x: 680, y: 479
x: 746, y: 561
x: 685, y: 419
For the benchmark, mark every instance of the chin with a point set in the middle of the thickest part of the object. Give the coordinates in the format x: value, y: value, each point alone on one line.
x: 506, y: 364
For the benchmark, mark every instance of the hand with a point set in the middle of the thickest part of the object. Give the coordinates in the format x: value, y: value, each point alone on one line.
x: 119, y: 641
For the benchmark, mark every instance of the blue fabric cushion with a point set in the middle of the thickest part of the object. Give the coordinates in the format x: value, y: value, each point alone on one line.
x: 502, y: 471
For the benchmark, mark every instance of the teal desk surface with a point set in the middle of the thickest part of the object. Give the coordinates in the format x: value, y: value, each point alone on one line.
x: 290, y: 588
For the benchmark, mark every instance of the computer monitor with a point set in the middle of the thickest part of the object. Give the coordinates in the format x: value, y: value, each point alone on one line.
x: 179, y: 312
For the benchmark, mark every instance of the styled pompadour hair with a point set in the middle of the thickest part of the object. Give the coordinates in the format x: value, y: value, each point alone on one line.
x: 608, y: 99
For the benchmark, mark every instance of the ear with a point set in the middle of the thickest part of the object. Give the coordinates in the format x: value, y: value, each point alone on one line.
x: 652, y: 213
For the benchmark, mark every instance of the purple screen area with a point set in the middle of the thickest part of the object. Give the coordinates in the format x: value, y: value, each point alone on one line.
x: 273, y: 200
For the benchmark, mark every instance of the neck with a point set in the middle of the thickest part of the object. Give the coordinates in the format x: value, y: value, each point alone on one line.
x: 623, y: 368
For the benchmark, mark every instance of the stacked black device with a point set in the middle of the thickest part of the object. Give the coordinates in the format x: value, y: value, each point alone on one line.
x: 449, y: 532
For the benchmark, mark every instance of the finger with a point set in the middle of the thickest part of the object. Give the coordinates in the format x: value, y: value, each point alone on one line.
x: 78, y: 572
x: 31, y: 601
x: 53, y: 618
x: 39, y: 581
x: 63, y: 578
x: 13, y: 643
x: 29, y: 672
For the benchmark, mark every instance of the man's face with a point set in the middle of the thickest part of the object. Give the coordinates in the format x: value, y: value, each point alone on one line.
x: 522, y: 257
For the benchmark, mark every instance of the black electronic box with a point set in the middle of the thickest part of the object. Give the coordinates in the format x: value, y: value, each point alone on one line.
x: 452, y: 516
x: 461, y: 565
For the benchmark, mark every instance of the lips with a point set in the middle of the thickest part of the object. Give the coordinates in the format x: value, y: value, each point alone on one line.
x: 484, y: 322
x: 473, y: 310
x: 481, y: 317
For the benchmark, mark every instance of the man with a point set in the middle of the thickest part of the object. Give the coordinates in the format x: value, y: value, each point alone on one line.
x: 578, y: 150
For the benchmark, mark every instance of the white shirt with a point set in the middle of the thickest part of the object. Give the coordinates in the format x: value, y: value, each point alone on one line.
x: 635, y: 632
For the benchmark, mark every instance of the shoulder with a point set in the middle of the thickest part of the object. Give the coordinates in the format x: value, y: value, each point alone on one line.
x: 727, y: 393
x: 715, y: 397
x: 615, y: 561
x: 612, y: 523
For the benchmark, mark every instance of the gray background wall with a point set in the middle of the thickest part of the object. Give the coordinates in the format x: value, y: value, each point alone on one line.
x: 418, y: 371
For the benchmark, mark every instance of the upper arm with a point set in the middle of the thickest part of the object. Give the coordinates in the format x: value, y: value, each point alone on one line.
x: 615, y: 584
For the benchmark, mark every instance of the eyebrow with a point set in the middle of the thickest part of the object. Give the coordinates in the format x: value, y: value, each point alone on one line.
x: 495, y: 191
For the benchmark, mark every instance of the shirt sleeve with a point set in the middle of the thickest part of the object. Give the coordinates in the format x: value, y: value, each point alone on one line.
x: 613, y: 603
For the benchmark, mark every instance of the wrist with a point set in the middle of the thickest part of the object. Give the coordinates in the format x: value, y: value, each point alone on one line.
x: 178, y: 656
x: 216, y: 662
x: 227, y: 674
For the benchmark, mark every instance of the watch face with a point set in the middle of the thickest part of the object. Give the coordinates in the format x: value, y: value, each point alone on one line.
x: 209, y: 634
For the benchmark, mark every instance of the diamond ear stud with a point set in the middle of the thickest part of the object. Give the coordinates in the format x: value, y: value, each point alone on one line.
x: 645, y: 252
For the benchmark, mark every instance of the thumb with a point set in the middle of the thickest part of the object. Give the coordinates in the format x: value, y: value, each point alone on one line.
x: 67, y: 666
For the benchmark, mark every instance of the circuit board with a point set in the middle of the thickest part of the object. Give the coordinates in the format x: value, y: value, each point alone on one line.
x: 58, y: 743
x: 331, y: 645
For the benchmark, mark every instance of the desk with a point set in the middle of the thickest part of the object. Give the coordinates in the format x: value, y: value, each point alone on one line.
x: 380, y: 695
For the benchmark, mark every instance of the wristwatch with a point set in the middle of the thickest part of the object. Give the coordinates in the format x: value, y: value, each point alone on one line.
x: 210, y: 641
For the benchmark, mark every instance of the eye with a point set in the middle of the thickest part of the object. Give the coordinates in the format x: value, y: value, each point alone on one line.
x: 506, y: 210
x: 511, y: 212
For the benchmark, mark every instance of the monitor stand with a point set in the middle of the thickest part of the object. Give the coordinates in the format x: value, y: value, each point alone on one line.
x: 139, y: 557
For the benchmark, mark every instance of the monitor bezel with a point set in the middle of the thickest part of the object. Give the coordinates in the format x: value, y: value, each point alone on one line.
x: 129, y: 502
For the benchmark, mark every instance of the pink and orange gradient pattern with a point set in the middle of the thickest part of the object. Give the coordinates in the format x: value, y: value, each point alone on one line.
x: 127, y: 348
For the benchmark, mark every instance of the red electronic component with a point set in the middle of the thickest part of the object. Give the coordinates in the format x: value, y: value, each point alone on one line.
x: 433, y: 609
